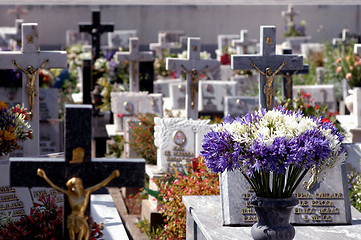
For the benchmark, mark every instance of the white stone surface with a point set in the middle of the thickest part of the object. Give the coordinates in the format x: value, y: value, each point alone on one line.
x: 238, y: 106
x: 245, y: 83
x: 104, y: 210
x: 243, y: 43
x: 212, y: 93
x: 177, y: 95
x: 169, y: 153
x: 162, y: 86
x: 357, y: 105
x: 204, y: 221
x: 120, y: 38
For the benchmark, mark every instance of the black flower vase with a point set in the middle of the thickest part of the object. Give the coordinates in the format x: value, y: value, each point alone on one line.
x: 273, y: 218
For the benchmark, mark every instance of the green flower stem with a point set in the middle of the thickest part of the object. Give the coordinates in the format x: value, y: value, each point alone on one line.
x: 298, y: 181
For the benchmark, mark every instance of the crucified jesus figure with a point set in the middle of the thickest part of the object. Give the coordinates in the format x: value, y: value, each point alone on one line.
x: 194, y: 85
x: 268, y: 89
x: 288, y: 86
x: 78, y: 198
x: 31, y: 90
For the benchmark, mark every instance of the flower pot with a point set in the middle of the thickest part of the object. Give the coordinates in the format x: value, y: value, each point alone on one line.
x: 273, y: 218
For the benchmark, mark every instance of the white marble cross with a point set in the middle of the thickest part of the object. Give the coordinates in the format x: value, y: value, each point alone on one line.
x: 268, y: 64
x: 243, y: 43
x: 343, y: 39
x: 193, y: 66
x: 161, y: 45
x: 134, y: 56
x: 30, y: 59
x: 290, y: 13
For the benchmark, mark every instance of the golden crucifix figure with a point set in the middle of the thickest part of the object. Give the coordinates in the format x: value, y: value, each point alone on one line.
x: 288, y: 86
x: 194, y: 85
x: 31, y: 90
x: 78, y: 198
x: 268, y: 88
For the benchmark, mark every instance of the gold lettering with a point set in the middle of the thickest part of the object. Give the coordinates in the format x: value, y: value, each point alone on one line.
x: 304, y: 210
x: 178, y: 148
x: 250, y: 211
x: 17, y: 213
x: 324, y: 218
x: 7, y: 189
x: 329, y: 211
x: 303, y: 195
x: 250, y: 218
x: 303, y: 203
x: 321, y: 203
x: 167, y: 153
x: 246, y: 195
x: 329, y: 195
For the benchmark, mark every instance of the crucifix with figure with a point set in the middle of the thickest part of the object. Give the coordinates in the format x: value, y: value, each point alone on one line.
x: 134, y: 56
x: 79, y: 175
x: 30, y: 60
x: 287, y: 77
x: 96, y: 29
x: 193, y: 66
x: 268, y: 64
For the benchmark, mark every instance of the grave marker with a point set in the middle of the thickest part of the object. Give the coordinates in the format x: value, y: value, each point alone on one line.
x: 268, y: 64
x: 77, y: 164
x: 290, y: 14
x: 96, y: 29
x: 243, y: 43
x: 120, y: 38
x: 17, y: 11
x: 287, y: 77
x: 193, y: 66
x: 30, y: 59
x: 238, y: 106
x: 345, y: 36
x: 134, y: 56
x: 161, y: 46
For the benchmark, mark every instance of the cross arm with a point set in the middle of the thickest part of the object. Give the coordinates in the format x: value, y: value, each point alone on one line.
x: 107, y: 27
x: 57, y: 59
x: 293, y: 62
x: 85, y: 27
x: 189, y: 64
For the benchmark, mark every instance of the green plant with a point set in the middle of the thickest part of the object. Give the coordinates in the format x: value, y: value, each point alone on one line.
x: 195, y: 180
x: 354, y: 185
x: 43, y: 223
x: 142, y: 137
x: 116, y: 149
x: 349, y: 67
x: 154, y: 233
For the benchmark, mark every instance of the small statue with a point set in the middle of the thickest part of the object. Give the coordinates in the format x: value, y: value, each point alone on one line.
x: 288, y: 86
x: 194, y: 85
x: 31, y: 75
x: 268, y: 88
x: 78, y: 198
x: 312, y: 181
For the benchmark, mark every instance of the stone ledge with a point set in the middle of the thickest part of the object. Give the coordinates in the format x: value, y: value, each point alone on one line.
x: 204, y: 221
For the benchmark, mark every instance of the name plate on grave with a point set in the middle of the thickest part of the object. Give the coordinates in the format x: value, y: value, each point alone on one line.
x: 327, y: 203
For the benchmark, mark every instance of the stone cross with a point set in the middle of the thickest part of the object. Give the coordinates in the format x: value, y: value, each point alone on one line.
x: 345, y: 36
x: 243, y: 43
x: 134, y: 56
x: 287, y: 77
x: 78, y: 163
x: 16, y: 35
x: 18, y: 11
x: 290, y: 13
x: 193, y: 66
x: 161, y: 45
x: 268, y: 64
x: 96, y: 29
x: 29, y: 60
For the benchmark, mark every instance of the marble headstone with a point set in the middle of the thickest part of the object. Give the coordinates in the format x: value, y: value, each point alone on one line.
x: 177, y: 95
x: 238, y: 106
x: 120, y: 38
x: 176, y: 140
x: 212, y: 93
x: 162, y: 86
x: 245, y: 83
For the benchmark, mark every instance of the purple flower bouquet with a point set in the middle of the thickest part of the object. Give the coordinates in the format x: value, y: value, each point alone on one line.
x: 274, y: 149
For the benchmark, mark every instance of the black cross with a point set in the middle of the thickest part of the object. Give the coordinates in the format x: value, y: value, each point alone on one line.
x: 287, y: 77
x: 96, y: 29
x: 78, y: 127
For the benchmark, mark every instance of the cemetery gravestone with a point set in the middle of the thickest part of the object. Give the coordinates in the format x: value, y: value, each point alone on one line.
x: 29, y: 60
x: 267, y: 64
x: 15, y: 35
x: 193, y: 66
x: 18, y: 11
x: 345, y: 36
x: 224, y: 41
x: 74, y: 37
x: 287, y: 77
x: 163, y: 86
x: 77, y: 162
x: 120, y: 38
x: 177, y: 95
x: 243, y: 43
x: 212, y: 94
x: 245, y: 83
x: 134, y: 56
x: 161, y: 46
x: 176, y: 140
x: 238, y: 106
x: 96, y: 29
